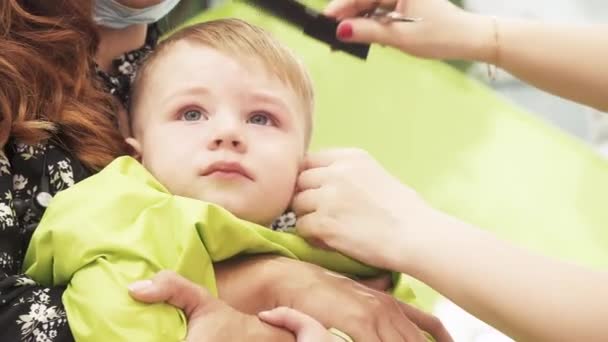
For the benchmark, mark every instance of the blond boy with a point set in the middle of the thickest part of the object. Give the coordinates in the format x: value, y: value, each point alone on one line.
x: 221, y: 118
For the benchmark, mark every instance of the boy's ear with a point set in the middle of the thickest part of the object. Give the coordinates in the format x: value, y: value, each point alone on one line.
x: 135, y: 148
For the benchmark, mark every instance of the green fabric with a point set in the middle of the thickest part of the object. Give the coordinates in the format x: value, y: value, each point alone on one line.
x: 465, y: 149
x: 122, y: 225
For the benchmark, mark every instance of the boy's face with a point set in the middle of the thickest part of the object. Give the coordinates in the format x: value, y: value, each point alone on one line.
x: 221, y: 130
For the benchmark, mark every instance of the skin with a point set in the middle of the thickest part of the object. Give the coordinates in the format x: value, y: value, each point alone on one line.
x: 528, y: 296
x: 200, y: 109
x: 566, y: 60
x: 203, y: 107
x: 117, y: 42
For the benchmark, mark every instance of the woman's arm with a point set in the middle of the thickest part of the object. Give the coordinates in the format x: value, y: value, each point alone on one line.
x: 526, y: 295
x: 209, y: 319
x: 567, y: 60
x: 260, y: 283
x: 530, y: 297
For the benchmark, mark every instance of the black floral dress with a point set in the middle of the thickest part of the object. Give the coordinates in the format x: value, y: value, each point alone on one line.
x: 29, y: 177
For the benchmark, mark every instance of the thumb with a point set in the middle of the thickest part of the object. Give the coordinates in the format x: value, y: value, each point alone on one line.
x: 363, y: 30
x: 169, y: 287
x: 290, y: 319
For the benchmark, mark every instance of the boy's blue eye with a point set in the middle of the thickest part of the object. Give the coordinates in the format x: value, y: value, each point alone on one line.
x: 262, y: 119
x: 192, y: 115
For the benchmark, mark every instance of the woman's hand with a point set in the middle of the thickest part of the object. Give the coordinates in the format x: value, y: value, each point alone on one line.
x: 306, y: 328
x: 209, y: 319
x: 445, y: 31
x: 348, y: 202
x: 261, y: 283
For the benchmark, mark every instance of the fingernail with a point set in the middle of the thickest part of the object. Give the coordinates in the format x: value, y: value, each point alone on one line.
x: 345, y: 31
x: 140, y: 285
x: 265, y: 315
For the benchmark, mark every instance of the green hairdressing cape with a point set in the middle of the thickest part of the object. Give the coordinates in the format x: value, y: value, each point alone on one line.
x: 122, y: 225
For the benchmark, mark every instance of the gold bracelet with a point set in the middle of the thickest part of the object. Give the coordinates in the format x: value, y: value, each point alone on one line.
x: 492, y: 66
x: 340, y: 334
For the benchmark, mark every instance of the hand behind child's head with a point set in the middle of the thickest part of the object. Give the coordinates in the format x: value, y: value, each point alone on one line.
x: 222, y: 113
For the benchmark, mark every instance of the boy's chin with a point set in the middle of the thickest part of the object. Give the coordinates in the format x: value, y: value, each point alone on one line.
x: 248, y: 213
x: 248, y: 209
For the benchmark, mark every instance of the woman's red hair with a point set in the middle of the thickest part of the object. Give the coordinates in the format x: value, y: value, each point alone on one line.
x: 48, y: 89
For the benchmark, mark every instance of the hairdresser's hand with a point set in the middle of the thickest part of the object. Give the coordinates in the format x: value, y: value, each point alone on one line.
x: 445, y: 31
x: 255, y: 284
x: 306, y: 328
x: 350, y: 203
x: 209, y: 319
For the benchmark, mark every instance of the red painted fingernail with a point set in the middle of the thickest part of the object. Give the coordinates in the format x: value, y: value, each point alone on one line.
x: 345, y: 31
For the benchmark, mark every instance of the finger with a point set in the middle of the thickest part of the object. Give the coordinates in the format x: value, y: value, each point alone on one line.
x: 363, y: 30
x: 406, y: 328
x: 323, y: 158
x: 386, y: 328
x: 426, y: 322
x: 312, y: 178
x: 291, y: 320
x: 397, y: 323
x: 418, y: 317
x: 306, y: 226
x: 401, y: 7
x: 331, y: 156
x: 388, y: 331
x: 309, y: 227
x: 306, y: 202
x: 351, y: 8
x: 317, y: 160
x: 168, y: 286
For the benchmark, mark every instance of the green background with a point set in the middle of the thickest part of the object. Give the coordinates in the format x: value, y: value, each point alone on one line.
x: 467, y: 151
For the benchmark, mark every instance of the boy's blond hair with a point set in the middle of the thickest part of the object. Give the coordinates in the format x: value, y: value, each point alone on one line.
x: 240, y: 39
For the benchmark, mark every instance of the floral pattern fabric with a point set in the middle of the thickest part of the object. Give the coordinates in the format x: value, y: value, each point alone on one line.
x: 30, y: 312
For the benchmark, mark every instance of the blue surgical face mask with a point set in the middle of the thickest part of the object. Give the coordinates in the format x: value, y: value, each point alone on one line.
x: 111, y: 13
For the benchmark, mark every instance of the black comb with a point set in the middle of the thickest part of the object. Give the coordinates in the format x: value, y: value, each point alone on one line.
x: 313, y: 23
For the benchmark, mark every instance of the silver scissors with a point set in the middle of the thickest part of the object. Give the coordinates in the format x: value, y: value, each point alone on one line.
x: 386, y: 16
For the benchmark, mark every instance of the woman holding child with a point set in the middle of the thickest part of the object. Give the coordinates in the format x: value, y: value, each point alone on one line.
x: 60, y: 64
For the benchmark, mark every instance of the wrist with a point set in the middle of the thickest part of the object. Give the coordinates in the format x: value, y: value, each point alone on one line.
x: 443, y: 243
x: 417, y: 245
x: 245, y: 282
x: 480, y: 37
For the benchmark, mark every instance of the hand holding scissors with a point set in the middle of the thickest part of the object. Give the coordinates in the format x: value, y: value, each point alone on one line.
x: 424, y: 28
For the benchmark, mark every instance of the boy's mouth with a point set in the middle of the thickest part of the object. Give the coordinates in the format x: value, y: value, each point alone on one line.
x: 227, y: 170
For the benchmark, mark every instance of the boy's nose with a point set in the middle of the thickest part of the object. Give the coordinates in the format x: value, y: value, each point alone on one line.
x: 231, y: 143
x: 227, y: 131
x: 229, y: 139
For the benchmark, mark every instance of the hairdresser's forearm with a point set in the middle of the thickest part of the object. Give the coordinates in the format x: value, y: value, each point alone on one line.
x: 566, y: 60
x: 528, y: 296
